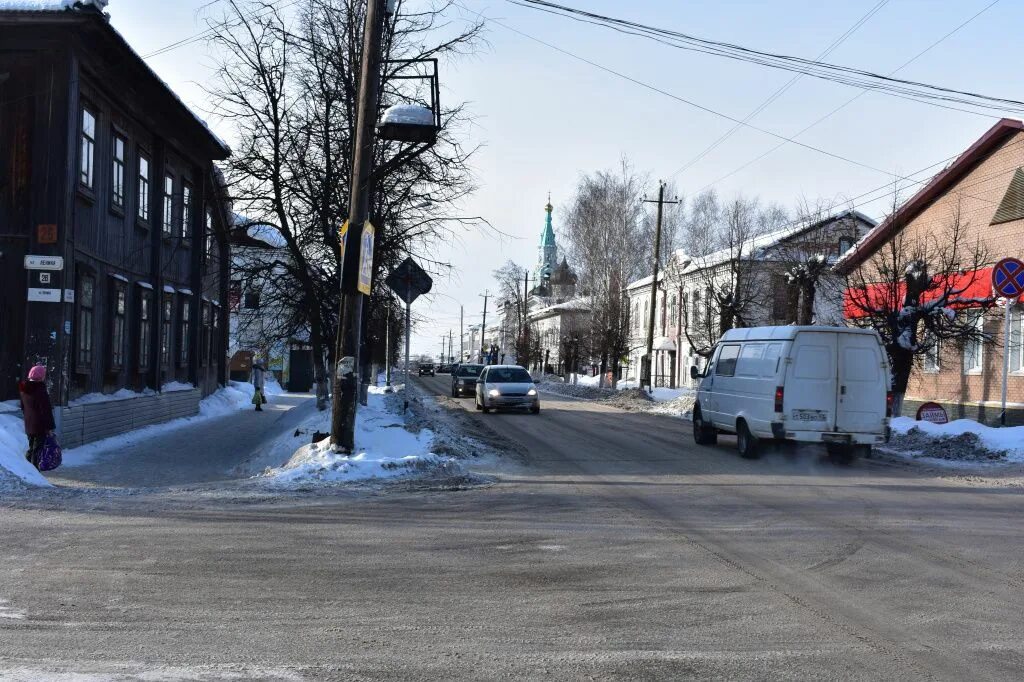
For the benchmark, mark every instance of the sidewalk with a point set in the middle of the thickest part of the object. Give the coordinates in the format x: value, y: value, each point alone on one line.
x: 194, y: 453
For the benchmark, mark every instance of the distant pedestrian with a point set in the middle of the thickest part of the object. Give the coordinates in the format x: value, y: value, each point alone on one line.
x: 37, y: 412
x: 259, y: 380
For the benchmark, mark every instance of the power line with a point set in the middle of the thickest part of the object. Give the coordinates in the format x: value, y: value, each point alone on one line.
x: 849, y: 101
x: 778, y: 93
x: 919, y: 91
x: 678, y: 98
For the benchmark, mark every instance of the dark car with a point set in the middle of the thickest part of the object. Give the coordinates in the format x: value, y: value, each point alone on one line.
x: 426, y: 369
x: 444, y: 368
x: 464, y: 379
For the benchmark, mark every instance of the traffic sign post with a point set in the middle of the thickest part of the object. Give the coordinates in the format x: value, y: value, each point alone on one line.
x: 410, y: 282
x: 1008, y: 282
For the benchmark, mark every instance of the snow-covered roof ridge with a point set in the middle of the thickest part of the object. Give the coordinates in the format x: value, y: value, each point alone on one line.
x: 49, y: 5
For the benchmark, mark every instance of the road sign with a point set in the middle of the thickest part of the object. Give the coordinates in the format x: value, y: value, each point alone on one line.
x: 932, y: 412
x: 44, y: 263
x: 343, y: 240
x: 1008, y: 278
x: 44, y: 295
x: 366, y: 258
x: 409, y: 281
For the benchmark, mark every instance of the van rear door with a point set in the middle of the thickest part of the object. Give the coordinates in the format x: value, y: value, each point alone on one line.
x: 862, y: 384
x: 811, y: 382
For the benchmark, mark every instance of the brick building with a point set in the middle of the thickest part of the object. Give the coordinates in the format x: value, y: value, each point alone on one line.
x: 984, y: 190
x: 110, y: 179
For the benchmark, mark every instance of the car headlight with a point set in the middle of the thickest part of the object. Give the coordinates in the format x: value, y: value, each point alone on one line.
x: 532, y: 391
x: 494, y: 393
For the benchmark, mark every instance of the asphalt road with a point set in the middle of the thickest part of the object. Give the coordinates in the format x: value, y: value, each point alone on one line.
x: 617, y: 550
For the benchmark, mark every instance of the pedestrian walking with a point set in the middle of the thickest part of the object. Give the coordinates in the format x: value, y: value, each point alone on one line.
x: 259, y: 378
x: 37, y: 412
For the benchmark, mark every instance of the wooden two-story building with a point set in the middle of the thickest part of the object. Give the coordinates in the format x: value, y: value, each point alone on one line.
x: 113, y: 255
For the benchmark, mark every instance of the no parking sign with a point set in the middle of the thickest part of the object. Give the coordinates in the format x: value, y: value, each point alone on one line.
x: 1008, y: 278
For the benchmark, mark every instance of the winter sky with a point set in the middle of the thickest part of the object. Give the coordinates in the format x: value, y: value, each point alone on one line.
x: 544, y: 118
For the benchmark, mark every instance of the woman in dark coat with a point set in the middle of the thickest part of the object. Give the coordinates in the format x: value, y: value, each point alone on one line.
x: 37, y: 410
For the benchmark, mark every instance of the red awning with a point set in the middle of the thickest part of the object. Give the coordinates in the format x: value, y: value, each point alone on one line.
x: 966, y: 290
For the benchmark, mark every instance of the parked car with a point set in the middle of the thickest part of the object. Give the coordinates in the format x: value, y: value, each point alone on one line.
x: 426, y: 369
x: 444, y: 368
x: 826, y: 385
x: 506, y: 386
x: 464, y: 379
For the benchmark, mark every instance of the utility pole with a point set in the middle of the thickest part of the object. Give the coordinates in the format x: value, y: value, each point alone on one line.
x: 387, y: 349
x: 462, y: 338
x: 483, y: 327
x: 647, y: 366
x: 449, y: 358
x: 345, y: 399
x: 443, y: 337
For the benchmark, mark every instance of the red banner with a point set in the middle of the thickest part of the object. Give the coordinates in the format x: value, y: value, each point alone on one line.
x: 966, y: 290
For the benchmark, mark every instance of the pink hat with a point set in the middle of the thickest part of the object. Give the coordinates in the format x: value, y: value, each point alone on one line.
x: 37, y: 373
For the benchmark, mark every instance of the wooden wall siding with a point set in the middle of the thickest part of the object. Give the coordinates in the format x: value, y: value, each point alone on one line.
x: 87, y: 423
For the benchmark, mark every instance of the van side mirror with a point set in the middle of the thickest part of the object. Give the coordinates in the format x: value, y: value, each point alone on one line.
x: 694, y: 373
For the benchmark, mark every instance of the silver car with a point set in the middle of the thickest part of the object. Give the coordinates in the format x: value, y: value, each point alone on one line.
x: 501, y: 386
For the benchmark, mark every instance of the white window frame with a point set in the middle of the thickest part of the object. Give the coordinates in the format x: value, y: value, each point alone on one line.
x: 931, y: 362
x: 1015, y: 346
x: 976, y: 368
x: 87, y: 163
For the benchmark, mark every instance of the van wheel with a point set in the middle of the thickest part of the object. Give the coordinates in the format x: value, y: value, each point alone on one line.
x: 703, y: 434
x: 746, y: 442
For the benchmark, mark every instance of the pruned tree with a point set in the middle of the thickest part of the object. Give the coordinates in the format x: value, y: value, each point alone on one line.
x: 605, y: 239
x: 919, y: 291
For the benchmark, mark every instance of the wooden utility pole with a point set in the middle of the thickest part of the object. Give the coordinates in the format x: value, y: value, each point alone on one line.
x: 483, y: 327
x: 443, y: 337
x: 449, y: 358
x: 346, y: 381
x: 462, y: 338
x: 647, y: 364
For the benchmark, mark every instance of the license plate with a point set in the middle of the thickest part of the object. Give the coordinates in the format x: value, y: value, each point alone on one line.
x: 810, y: 415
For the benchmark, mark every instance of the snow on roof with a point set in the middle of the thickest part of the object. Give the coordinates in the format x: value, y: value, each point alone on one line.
x: 408, y: 114
x: 121, y: 278
x: 66, y: 5
x: 186, y: 292
x: 579, y: 304
x: 268, y: 234
x: 47, y: 5
x: 145, y: 285
x: 168, y: 289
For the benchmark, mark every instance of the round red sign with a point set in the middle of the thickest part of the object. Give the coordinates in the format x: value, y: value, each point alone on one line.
x: 932, y: 412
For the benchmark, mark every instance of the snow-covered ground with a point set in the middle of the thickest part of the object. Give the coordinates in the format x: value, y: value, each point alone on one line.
x: 672, y: 402
x: 385, y: 449
x: 959, y: 442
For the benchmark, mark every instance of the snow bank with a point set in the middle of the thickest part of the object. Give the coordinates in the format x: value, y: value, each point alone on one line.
x: 123, y: 394
x: 176, y: 386
x: 13, y: 444
x: 1009, y: 440
x: 46, y: 5
x: 385, y: 450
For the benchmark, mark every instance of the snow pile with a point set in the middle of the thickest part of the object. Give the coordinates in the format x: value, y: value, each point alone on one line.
x: 122, y: 394
x: 233, y: 397
x: 176, y: 386
x: 14, y: 468
x: 385, y: 450
x: 961, y: 440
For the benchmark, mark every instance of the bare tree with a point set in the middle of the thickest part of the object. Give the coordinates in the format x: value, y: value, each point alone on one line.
x: 724, y: 275
x: 605, y: 239
x: 288, y: 84
x: 513, y: 298
x: 919, y: 291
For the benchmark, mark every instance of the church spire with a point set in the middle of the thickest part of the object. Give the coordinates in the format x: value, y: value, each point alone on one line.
x: 548, y: 237
x: 548, y: 251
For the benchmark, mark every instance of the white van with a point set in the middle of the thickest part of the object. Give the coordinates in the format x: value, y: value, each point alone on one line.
x: 826, y: 385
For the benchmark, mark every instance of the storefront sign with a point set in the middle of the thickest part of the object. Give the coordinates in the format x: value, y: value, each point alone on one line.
x: 932, y: 412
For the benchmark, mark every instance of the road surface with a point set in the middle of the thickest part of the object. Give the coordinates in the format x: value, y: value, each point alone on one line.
x: 616, y: 550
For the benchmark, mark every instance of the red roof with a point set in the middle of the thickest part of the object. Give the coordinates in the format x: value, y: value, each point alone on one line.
x: 938, y: 185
